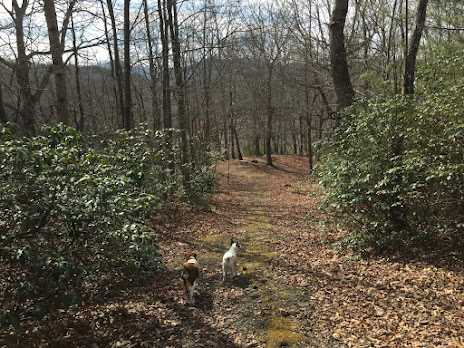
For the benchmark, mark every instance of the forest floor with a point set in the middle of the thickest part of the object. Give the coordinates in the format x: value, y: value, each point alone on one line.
x: 293, y: 289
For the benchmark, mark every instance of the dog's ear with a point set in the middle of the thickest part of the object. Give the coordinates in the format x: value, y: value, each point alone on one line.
x: 195, y: 255
x: 231, y: 241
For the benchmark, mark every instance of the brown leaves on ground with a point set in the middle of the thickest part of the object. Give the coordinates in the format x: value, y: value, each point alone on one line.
x: 302, y: 293
x: 365, y: 303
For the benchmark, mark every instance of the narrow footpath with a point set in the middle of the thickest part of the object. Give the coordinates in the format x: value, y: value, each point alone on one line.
x: 268, y: 211
x: 293, y: 288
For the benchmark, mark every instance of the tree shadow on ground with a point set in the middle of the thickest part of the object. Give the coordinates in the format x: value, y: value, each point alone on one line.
x: 149, y: 316
x: 441, y: 254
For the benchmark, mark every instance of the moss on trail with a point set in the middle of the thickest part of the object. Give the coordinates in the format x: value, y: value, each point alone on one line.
x: 265, y: 305
x: 281, y: 332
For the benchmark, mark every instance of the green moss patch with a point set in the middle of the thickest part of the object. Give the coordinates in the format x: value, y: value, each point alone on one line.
x: 281, y: 333
x: 270, y: 310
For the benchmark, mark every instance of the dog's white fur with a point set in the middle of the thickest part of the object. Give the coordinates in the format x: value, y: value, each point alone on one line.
x: 190, y: 275
x: 229, y: 261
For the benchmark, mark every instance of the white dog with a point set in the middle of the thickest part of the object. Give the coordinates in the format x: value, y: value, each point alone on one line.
x: 229, y: 261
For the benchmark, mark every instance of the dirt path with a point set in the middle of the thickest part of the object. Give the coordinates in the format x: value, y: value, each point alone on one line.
x: 259, y: 308
x: 293, y: 290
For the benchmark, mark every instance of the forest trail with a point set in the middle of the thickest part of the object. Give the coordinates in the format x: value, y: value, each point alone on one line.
x: 259, y: 308
x: 293, y: 289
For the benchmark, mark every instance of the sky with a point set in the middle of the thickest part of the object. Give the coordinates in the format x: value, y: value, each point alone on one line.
x: 7, y: 4
x: 88, y: 26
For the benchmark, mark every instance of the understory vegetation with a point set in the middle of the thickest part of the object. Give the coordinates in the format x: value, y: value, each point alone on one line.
x: 394, y: 171
x: 74, y: 211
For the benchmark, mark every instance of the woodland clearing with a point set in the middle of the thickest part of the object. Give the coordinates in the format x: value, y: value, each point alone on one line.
x: 293, y: 289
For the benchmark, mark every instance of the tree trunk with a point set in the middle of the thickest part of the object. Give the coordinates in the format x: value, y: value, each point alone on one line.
x: 164, y: 27
x: 153, y: 77
x: 180, y: 93
x: 391, y: 37
x: 114, y: 84
x: 3, y: 117
x: 340, y: 73
x: 80, y: 123
x: 398, y: 209
x: 269, y: 117
x: 257, y: 151
x: 117, y: 63
x: 410, y: 60
x: 309, y: 117
x: 309, y: 121
x: 294, y: 138
x: 225, y: 112
x: 26, y: 113
x: 59, y: 70
x: 301, y: 134
x: 207, y: 67
x: 127, y: 69
x: 234, y: 130
x: 232, y: 139
x: 224, y: 107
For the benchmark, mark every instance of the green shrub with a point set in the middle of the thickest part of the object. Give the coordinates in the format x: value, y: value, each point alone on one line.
x: 153, y: 161
x: 73, y: 213
x: 394, y: 172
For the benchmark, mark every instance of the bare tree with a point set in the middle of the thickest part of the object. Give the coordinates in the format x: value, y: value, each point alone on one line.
x: 268, y: 68
x: 268, y: 36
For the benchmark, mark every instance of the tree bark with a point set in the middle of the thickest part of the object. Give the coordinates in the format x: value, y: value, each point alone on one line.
x: 164, y: 26
x: 234, y: 131
x: 153, y: 77
x: 3, y: 117
x: 80, y: 123
x: 232, y: 139
x: 257, y: 151
x: 127, y: 69
x: 309, y: 121
x: 112, y: 65
x: 340, y: 73
x: 26, y: 109
x: 117, y: 64
x: 59, y: 70
x: 174, y: 31
x: 269, y: 117
x: 207, y: 68
x: 410, y: 61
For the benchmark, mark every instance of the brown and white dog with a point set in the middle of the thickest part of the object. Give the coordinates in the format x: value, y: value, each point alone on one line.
x: 190, y: 274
